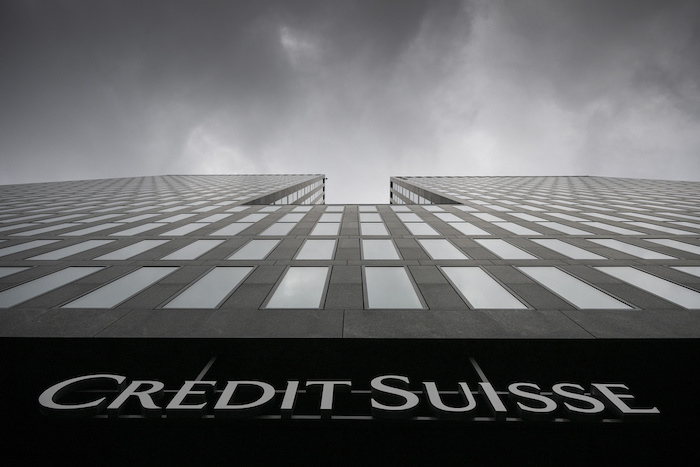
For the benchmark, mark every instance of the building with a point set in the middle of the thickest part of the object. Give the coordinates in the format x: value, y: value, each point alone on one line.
x: 535, y: 292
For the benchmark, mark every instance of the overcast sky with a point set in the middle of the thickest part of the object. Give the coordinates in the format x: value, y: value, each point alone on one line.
x: 357, y: 90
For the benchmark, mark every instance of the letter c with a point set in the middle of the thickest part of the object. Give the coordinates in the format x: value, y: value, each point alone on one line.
x: 50, y: 405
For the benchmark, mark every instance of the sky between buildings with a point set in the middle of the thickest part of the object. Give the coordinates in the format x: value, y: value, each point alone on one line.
x: 357, y: 90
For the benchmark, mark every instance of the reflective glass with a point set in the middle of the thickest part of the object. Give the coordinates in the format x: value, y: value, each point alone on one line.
x: 667, y: 290
x: 10, y: 250
x: 390, y: 287
x: 194, y: 250
x: 11, y: 270
x: 317, y: 249
x: 335, y: 208
x: 420, y: 228
x: 214, y: 218
x: 114, y: 293
x: 42, y: 285
x: 526, y: 217
x: 370, y: 217
x: 278, y: 229
x: 237, y: 209
x: 373, y: 229
x: 292, y: 217
x: 440, y: 248
x: 433, y: 208
x: 326, y: 228
x: 231, y: 229
x: 694, y: 270
x: 409, y: 217
x: 212, y: 289
x: 255, y: 249
x: 480, y: 290
x: 302, y: 209
x: 630, y: 249
x: 504, y: 249
x: 567, y: 249
x: 367, y: 208
x: 400, y: 209
x: 577, y: 292
x: 301, y: 287
x: 138, y: 229
x: 379, y: 249
x: 50, y: 228
x: 132, y: 250
x: 331, y: 217
x: 72, y: 250
x: 647, y: 225
x: 487, y: 217
x: 447, y: 217
x: 516, y: 228
x: 612, y: 228
x: 675, y: 244
x: 255, y: 217
x: 564, y: 228
x: 468, y: 228
x: 176, y: 218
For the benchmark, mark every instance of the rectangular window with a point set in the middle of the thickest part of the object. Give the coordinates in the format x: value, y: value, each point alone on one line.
x: 564, y: 228
x: 194, y: 250
x: 301, y: 287
x: 390, y: 287
x: 420, y: 229
x: 278, y: 229
x: 400, y: 209
x: 10, y: 250
x: 71, y: 250
x: 630, y: 249
x: 176, y: 218
x: 237, y: 209
x: 468, y: 228
x: 516, y: 228
x: 51, y: 228
x: 269, y: 209
x: 292, y: 217
x: 367, y: 208
x: 370, y: 217
x: 302, y: 209
x: 214, y: 218
x: 331, y: 217
x: 504, y: 249
x: 93, y: 229
x: 695, y: 249
x: 132, y: 250
x: 137, y: 230
x: 573, y: 290
x: 373, y: 229
x: 211, y: 289
x: 231, y: 229
x: 612, y: 228
x: 28, y: 290
x: 317, y: 249
x: 694, y: 270
x: 325, y: 228
x: 487, y: 217
x: 667, y: 290
x: 439, y: 248
x: 114, y: 293
x: 647, y: 225
x: 335, y: 208
x: 255, y: 217
x: 566, y: 249
x: 255, y: 249
x: 409, y: 217
x: 447, y: 217
x: 433, y: 208
x: 528, y: 217
x: 11, y: 270
x: 379, y: 249
x: 480, y: 290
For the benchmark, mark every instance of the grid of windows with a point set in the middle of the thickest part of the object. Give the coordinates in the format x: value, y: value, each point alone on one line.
x: 229, y: 243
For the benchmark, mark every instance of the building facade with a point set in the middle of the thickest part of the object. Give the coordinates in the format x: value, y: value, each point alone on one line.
x: 522, y: 288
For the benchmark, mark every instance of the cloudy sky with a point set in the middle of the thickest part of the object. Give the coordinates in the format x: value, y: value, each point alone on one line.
x: 357, y: 90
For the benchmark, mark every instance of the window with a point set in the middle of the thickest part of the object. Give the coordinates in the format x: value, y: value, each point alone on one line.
x: 516, y: 228
x: 331, y: 217
x: 420, y: 229
x: 390, y: 287
x: 278, y: 229
x: 255, y: 249
x: 229, y: 230
x: 138, y: 229
x: 325, y: 228
x: 379, y: 249
x: 211, y: 289
x: 71, y: 250
x: 301, y: 287
x: 373, y: 229
x: 28, y: 290
x: 566, y: 249
x: 370, y: 217
x: 112, y: 294
x: 667, y: 290
x: 675, y: 244
x: 468, y: 229
x: 571, y: 289
x: 480, y: 290
x: 317, y: 249
x: 10, y: 250
x: 132, y: 250
x: 630, y: 249
x: 504, y: 249
x: 194, y: 250
x: 612, y: 228
x: 439, y: 248
x: 564, y: 228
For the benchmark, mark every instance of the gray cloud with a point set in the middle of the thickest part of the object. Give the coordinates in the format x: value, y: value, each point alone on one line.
x: 357, y: 90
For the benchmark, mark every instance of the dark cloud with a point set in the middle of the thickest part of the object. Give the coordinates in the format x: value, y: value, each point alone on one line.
x: 358, y: 90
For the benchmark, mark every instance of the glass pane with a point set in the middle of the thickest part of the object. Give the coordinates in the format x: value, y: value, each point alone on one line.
x: 40, y: 286
x: 301, y: 287
x: 10, y: 250
x: 184, y: 230
x: 278, y: 229
x: 567, y: 249
x: 487, y: 217
x: 302, y: 209
x: 292, y: 217
x: 647, y: 225
x: 176, y: 218
x: 379, y: 249
x: 51, y: 228
x: 420, y: 228
x: 481, y: 290
x: 516, y: 228
x: 255, y: 217
x: 194, y: 250
x: 255, y: 249
x: 400, y: 209
x: 210, y: 290
x: 317, y: 249
x: 447, y: 217
x: 367, y: 208
x: 390, y: 287
x: 370, y: 217
x: 572, y: 289
x: 694, y: 270
x: 133, y: 250
x: 612, y: 228
x: 504, y: 249
x: 433, y: 208
x: 564, y: 228
x: 409, y: 217
x: 667, y: 290
x: 441, y: 249
x: 72, y: 250
x: 11, y: 270
x: 326, y: 228
x: 630, y: 249
x: 114, y: 293
x: 139, y: 229
x: 666, y: 242
x: 231, y: 229
x: 214, y: 218
x: 335, y: 208
x: 331, y: 217
x: 468, y: 228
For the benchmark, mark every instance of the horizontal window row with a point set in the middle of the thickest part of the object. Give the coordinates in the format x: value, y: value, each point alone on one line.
x: 384, y: 287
